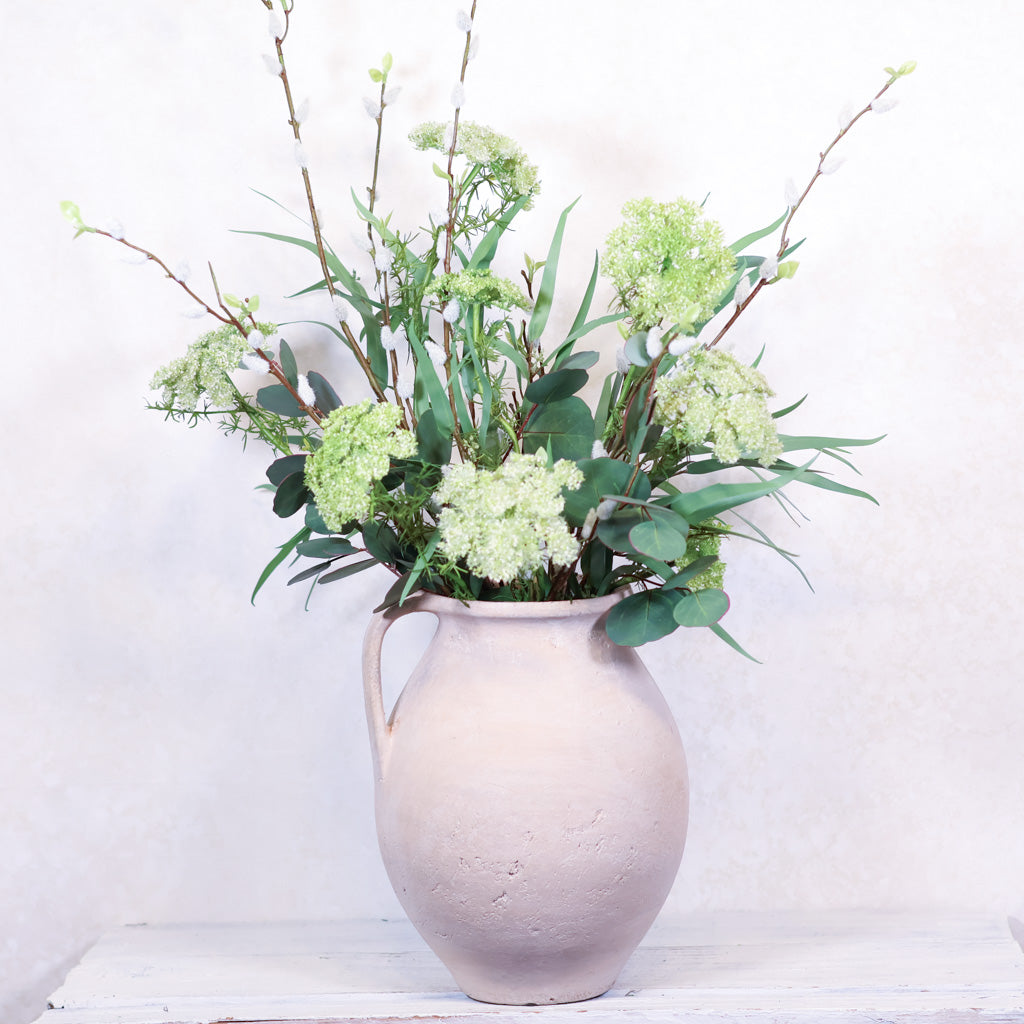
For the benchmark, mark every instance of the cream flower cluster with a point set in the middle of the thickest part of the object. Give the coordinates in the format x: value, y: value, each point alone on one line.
x: 204, y: 368
x: 711, y: 397
x: 507, y: 523
x: 699, y: 544
x: 668, y: 262
x: 480, y: 286
x: 359, y: 442
x: 501, y: 155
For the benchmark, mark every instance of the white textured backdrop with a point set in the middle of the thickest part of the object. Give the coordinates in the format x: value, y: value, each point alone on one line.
x: 168, y: 752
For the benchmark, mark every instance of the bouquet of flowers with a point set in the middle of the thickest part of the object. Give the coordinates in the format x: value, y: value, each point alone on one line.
x: 474, y: 468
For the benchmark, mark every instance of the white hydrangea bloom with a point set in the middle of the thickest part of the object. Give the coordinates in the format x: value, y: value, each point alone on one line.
x: 358, y: 444
x: 712, y: 398
x: 507, y: 523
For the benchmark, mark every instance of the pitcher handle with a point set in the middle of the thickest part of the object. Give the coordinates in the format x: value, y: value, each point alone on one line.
x: 376, y: 719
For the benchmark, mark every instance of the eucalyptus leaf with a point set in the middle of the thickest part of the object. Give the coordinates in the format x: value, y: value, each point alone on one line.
x: 558, y: 384
x: 614, y: 532
x: 291, y: 495
x: 382, y: 542
x: 326, y: 547
x: 288, y: 364
x: 565, y: 427
x: 315, y: 521
x: 313, y: 570
x: 276, y: 398
x: 701, y: 607
x: 656, y: 538
x: 280, y: 468
x: 578, y: 361
x: 601, y: 478
x: 641, y: 618
x: 350, y: 570
x: 327, y: 399
x: 694, y: 569
x: 636, y: 349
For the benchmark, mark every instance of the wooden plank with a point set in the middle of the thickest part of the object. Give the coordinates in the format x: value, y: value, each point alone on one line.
x: 839, y: 968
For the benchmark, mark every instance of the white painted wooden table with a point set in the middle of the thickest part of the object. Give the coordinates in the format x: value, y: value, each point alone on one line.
x: 739, y: 968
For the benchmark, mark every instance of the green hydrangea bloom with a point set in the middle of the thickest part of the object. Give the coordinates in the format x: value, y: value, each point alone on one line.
x: 701, y: 542
x: 480, y: 286
x: 664, y: 260
x: 502, y: 156
x: 358, y: 444
x: 204, y: 368
x: 507, y: 523
x: 710, y: 397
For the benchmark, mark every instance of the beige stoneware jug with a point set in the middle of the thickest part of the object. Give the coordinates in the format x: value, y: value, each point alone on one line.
x: 531, y: 795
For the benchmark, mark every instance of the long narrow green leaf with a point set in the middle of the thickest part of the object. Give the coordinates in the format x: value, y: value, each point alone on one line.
x: 768, y: 542
x: 821, y: 444
x: 542, y: 306
x: 755, y: 236
x: 488, y: 246
x: 282, y: 553
x: 433, y: 394
x: 588, y: 297
x: 590, y: 325
x: 789, y: 408
x: 333, y: 263
x: 349, y: 570
x: 716, y: 628
x: 382, y: 229
x: 696, y: 506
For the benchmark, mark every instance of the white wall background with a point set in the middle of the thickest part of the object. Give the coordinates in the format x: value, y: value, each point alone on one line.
x: 168, y: 752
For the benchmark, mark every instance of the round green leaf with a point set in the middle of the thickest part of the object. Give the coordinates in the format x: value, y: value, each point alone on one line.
x: 701, y: 607
x: 555, y: 385
x: 291, y: 495
x: 566, y: 426
x: 659, y: 540
x: 641, y: 618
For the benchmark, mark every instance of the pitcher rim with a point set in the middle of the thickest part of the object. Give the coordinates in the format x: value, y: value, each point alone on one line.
x: 581, y: 607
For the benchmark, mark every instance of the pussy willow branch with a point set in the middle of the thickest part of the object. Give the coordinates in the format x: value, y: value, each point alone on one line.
x: 226, y: 317
x: 372, y: 190
x: 449, y: 235
x: 361, y: 358
x: 784, y: 234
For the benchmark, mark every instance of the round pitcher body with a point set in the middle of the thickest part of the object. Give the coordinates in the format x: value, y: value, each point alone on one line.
x: 531, y: 796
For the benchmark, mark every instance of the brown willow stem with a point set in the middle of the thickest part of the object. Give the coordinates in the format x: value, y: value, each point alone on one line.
x: 449, y: 235
x: 227, y: 317
x: 321, y: 250
x: 784, y: 234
